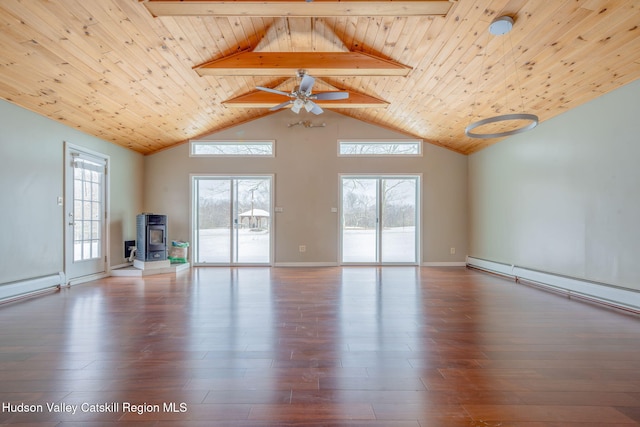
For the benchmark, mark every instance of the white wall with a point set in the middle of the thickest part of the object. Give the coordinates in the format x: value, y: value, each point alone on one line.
x: 564, y: 198
x: 32, y: 177
x: 306, y: 169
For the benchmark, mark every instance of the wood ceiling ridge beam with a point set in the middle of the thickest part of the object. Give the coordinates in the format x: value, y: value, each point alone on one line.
x: 260, y: 99
x: 298, y: 8
x: 349, y: 64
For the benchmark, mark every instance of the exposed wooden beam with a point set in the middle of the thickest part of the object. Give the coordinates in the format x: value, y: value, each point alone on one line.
x: 317, y: 8
x: 261, y: 99
x: 314, y: 63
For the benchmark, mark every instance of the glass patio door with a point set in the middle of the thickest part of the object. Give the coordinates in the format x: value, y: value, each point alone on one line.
x: 380, y: 219
x: 231, y: 220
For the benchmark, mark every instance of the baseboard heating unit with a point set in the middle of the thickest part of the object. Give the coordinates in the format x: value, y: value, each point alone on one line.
x: 621, y: 298
x: 23, y: 288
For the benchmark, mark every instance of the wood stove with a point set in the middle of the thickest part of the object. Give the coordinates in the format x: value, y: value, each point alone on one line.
x: 151, y: 237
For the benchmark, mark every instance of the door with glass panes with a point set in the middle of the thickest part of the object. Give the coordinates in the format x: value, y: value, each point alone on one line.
x: 379, y: 219
x: 85, y: 213
x: 231, y: 219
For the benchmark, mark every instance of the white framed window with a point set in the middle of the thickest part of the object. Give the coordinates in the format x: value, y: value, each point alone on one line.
x: 264, y: 148
x: 374, y: 148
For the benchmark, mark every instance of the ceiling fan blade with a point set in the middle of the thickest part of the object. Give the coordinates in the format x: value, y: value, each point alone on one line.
x: 279, y: 106
x: 307, y: 84
x: 316, y: 109
x: 331, y: 95
x: 266, y: 89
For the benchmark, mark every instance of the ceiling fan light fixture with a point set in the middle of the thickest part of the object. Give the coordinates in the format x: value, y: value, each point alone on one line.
x: 308, y: 105
x: 297, y: 105
x: 302, y: 96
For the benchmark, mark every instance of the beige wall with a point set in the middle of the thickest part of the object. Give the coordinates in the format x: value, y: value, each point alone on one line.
x: 32, y: 177
x: 306, y: 170
x: 564, y: 198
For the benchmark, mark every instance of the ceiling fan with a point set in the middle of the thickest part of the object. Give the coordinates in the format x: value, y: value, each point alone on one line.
x: 301, y: 96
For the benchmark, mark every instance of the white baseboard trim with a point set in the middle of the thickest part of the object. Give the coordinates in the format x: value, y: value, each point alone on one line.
x: 89, y: 278
x: 444, y: 264
x: 125, y: 265
x: 25, y: 287
x: 335, y: 264
x: 622, y: 298
x: 305, y: 264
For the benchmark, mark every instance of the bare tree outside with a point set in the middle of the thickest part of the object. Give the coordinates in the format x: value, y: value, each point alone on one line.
x: 232, y: 148
x: 379, y: 148
x: 379, y: 205
x: 233, y: 219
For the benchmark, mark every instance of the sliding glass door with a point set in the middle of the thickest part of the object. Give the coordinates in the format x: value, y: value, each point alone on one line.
x: 231, y: 219
x: 380, y: 219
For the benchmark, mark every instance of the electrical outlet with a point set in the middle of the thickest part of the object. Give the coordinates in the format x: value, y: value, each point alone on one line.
x: 302, y: 248
x: 128, y: 247
x: 452, y: 251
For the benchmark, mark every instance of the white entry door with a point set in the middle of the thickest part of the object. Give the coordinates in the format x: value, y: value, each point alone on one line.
x: 85, y: 213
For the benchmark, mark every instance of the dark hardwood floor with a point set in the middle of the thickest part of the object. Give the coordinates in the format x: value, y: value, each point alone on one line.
x: 357, y: 347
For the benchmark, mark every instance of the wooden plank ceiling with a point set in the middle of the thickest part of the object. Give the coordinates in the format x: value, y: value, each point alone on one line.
x: 298, y: 8
x: 113, y: 70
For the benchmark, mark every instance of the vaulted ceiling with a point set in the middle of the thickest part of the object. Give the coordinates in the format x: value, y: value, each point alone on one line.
x: 114, y: 70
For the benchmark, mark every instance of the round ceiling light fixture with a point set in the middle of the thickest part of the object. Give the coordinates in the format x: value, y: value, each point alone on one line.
x: 532, y: 118
x: 500, y: 26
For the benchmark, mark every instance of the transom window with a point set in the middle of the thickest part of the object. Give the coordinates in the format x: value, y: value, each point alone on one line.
x: 406, y: 147
x: 232, y: 148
